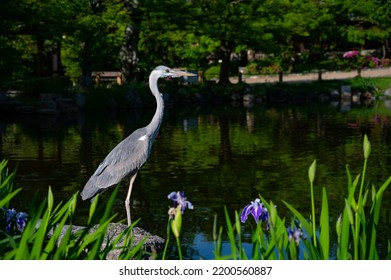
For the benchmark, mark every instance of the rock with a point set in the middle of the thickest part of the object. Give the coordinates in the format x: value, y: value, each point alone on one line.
x: 47, y: 112
x: 49, y: 97
x: 47, y: 104
x: 235, y: 96
x: 9, y: 106
x: 152, y: 244
x: 3, y: 97
x: 25, y: 109
x: 67, y: 106
x: 334, y: 95
x: 346, y: 106
x: 248, y: 100
x: 323, y: 98
x: 347, y: 89
x: 260, y: 99
x: 279, y: 96
x: 356, y: 98
x: 80, y: 100
x: 346, y: 93
x: 249, y: 97
x: 387, y: 104
x: 387, y: 93
x: 366, y: 96
x: 47, y: 107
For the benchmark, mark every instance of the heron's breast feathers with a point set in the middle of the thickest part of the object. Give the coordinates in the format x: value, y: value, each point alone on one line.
x: 143, y: 138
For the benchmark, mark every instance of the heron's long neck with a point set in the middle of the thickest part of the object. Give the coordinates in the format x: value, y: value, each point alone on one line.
x: 154, y: 125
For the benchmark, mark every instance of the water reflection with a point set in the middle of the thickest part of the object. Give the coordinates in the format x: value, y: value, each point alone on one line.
x: 219, y: 157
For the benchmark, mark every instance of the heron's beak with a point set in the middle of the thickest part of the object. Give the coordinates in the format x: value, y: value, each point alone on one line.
x: 179, y: 73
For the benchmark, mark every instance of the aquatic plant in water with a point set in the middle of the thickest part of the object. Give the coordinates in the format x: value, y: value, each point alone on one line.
x: 309, y: 238
x: 180, y: 204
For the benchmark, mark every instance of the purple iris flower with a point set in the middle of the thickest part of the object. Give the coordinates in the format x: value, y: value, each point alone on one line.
x: 9, y: 215
x: 14, y: 218
x: 296, y: 234
x: 179, y: 198
x: 257, y: 210
x: 21, y: 221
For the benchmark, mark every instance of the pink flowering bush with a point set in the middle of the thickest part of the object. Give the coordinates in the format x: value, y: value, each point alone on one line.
x: 358, y: 61
x: 351, y: 54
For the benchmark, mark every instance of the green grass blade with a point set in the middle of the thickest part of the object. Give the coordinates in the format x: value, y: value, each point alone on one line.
x: 23, y: 251
x: 92, y: 209
x: 324, y: 227
x: 5, y: 200
x: 343, y: 246
x: 374, y: 220
x: 300, y: 217
x: 231, y: 234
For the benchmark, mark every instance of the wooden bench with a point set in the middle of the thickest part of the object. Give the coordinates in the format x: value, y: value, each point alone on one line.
x: 108, y: 76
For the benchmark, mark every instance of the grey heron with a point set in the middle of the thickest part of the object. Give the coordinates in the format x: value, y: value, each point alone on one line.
x: 130, y: 155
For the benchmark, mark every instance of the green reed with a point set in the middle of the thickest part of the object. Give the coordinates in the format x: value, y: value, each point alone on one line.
x: 356, y: 228
x: 48, y: 233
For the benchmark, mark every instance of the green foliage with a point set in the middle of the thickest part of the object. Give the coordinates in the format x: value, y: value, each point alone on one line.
x: 365, y: 84
x: 16, y: 60
x: 213, y: 72
x: 95, y: 38
x: 6, y: 185
x: 89, y: 34
x: 48, y: 233
x: 356, y: 229
x: 267, y: 66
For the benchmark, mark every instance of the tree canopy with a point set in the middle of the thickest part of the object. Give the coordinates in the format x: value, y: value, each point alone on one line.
x: 133, y: 36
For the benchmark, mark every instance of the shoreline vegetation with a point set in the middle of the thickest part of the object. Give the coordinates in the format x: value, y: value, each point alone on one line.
x: 56, y: 95
x: 273, y: 236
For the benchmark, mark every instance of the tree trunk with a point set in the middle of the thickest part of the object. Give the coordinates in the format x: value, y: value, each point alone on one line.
x: 60, y: 69
x: 225, y: 56
x: 129, y: 49
x: 129, y: 53
x: 86, y: 67
x: 40, y: 56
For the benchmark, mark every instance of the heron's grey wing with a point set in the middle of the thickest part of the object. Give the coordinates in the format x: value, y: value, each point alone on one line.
x: 125, y: 159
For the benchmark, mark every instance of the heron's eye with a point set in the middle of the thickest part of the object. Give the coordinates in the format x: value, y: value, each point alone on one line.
x: 167, y: 71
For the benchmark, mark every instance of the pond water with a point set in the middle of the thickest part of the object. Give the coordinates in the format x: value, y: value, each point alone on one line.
x: 221, y: 157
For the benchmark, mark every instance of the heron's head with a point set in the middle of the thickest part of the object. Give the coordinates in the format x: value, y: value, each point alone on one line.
x: 163, y: 71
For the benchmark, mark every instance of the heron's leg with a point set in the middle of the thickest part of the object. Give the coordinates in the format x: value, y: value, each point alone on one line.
x: 127, y: 201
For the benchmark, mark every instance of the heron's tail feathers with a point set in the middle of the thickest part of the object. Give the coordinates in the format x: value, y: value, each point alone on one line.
x: 90, y: 189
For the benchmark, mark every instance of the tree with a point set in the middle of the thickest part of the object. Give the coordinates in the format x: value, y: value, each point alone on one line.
x: 27, y: 23
x: 225, y: 25
x: 366, y: 23
x: 194, y: 33
x: 293, y: 29
x: 129, y: 50
x: 94, y: 39
x: 164, y: 28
